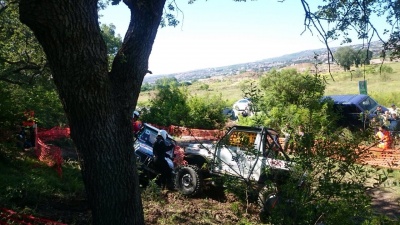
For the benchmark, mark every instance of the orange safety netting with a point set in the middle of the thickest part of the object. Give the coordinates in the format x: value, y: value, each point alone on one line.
x: 54, y: 133
x: 8, y: 217
x: 51, y: 155
x: 184, y: 132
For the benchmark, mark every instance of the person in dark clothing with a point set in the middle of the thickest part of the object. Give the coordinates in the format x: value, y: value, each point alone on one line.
x: 378, y: 111
x: 394, y: 123
x: 160, y: 150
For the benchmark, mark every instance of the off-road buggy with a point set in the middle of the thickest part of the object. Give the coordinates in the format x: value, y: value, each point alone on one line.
x: 251, y: 154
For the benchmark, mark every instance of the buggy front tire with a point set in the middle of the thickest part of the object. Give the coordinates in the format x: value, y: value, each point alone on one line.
x: 188, y: 180
x: 267, y: 200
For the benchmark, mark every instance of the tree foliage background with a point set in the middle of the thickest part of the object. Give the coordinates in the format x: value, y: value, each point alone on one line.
x: 347, y: 57
x: 25, y: 78
x: 173, y: 105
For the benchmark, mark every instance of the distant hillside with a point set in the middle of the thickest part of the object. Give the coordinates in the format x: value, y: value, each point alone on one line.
x: 307, y: 56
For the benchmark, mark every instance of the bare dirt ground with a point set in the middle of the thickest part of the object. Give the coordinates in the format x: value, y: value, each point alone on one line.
x: 386, y: 201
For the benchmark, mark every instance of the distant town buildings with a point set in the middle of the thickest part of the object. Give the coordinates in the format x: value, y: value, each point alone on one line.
x: 309, y: 56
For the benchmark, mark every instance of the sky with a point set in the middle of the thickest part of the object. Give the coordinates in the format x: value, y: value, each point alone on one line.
x: 218, y: 33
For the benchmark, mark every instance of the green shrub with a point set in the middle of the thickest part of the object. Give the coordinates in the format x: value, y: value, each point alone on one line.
x: 335, y: 184
x: 173, y: 106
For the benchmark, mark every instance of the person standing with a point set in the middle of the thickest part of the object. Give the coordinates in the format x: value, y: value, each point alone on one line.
x: 160, y: 149
x: 136, y: 123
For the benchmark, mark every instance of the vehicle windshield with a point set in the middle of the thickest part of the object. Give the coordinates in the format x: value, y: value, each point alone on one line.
x: 148, y: 136
x: 369, y: 104
x: 347, y: 109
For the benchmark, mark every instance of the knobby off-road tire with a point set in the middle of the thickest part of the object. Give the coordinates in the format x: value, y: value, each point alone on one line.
x: 188, y: 180
x: 267, y: 200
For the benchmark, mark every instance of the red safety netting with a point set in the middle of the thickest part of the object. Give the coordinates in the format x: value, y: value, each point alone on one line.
x: 190, y: 133
x: 54, y: 133
x: 51, y: 155
x: 8, y: 217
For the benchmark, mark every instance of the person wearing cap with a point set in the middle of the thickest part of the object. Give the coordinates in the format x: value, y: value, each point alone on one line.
x: 160, y: 148
x: 136, y: 123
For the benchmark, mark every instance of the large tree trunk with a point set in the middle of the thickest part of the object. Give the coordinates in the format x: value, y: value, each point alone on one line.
x: 98, y: 103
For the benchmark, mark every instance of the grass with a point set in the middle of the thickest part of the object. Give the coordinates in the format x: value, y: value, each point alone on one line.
x: 382, y: 87
x: 229, y: 87
x: 25, y: 180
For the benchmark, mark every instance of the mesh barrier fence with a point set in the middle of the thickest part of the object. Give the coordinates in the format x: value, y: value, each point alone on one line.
x: 50, y: 154
x: 8, y: 217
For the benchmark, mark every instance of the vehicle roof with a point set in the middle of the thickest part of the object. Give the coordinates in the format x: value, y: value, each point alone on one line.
x: 243, y: 100
x: 347, y: 99
x: 155, y: 129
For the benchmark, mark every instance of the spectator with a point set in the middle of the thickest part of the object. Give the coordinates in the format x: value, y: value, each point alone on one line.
x: 136, y: 123
x: 378, y: 111
x: 25, y: 137
x: 20, y: 135
x: 385, y: 119
x: 385, y: 139
x: 393, y: 109
x: 394, y: 123
x: 160, y: 150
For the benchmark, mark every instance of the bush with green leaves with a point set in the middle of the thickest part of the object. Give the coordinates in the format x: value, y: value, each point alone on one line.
x: 288, y: 96
x: 384, y: 69
x: 206, y: 112
x: 42, y: 100
x: 173, y: 105
x: 334, y: 188
x: 169, y: 107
